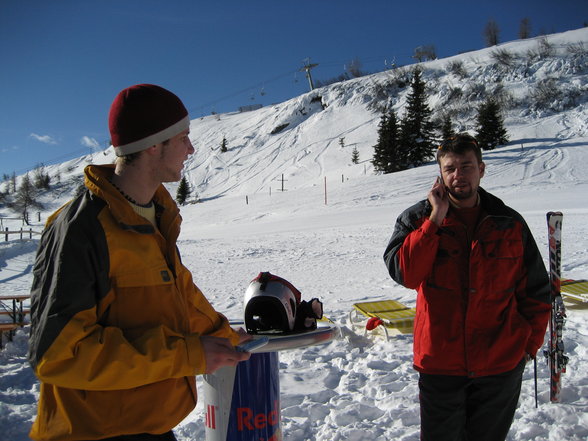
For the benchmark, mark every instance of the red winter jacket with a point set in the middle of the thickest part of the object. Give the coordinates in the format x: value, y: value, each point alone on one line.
x: 477, y: 315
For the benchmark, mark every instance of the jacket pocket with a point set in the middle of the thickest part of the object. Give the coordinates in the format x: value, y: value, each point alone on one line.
x: 503, y: 248
x: 150, y: 277
x: 501, y: 348
x: 146, y: 299
x: 501, y: 265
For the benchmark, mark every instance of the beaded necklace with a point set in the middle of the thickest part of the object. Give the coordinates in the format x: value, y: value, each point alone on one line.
x: 130, y: 199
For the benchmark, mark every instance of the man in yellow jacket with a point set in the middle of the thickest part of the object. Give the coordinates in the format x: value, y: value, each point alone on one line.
x: 118, y: 328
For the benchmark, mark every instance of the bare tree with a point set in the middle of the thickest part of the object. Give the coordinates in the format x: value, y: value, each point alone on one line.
x: 424, y: 53
x: 25, y: 198
x: 354, y: 68
x: 491, y: 33
x: 525, y: 29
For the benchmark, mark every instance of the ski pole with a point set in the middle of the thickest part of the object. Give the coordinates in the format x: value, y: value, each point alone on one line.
x: 535, y: 367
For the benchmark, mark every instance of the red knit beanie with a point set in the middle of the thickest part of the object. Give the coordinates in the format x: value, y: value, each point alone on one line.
x: 144, y: 115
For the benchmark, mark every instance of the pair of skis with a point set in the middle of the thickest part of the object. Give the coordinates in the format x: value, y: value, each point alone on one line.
x: 556, y: 359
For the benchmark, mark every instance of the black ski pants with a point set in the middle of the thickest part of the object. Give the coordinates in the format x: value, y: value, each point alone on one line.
x: 457, y: 408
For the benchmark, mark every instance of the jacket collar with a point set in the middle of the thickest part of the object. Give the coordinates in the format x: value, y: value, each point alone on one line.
x: 491, y: 204
x: 97, y: 180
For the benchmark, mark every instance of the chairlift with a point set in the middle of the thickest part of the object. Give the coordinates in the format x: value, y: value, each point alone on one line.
x: 392, y: 63
x: 262, y: 91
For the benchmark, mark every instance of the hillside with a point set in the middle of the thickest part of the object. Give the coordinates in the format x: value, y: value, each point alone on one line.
x: 542, y: 84
x: 308, y: 147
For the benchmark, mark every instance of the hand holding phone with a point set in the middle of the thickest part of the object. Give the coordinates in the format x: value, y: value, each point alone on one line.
x: 439, y: 201
x: 440, y: 187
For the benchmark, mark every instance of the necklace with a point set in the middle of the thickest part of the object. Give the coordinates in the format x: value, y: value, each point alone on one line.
x: 130, y: 199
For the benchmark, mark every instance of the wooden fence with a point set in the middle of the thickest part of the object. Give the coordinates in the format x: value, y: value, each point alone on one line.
x: 22, y: 233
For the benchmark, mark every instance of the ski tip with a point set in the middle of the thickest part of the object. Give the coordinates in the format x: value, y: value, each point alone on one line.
x: 554, y: 213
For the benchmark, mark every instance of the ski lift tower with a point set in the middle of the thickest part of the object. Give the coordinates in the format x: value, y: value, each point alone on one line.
x: 307, y: 67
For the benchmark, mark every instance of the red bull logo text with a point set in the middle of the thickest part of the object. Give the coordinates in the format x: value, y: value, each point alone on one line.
x: 247, y: 420
x: 243, y: 403
x: 210, y: 420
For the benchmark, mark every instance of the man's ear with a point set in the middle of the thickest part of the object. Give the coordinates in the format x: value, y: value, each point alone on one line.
x: 482, y: 169
x: 153, y: 149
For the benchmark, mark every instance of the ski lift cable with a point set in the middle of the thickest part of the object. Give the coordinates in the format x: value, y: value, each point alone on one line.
x: 241, y: 91
x: 262, y: 84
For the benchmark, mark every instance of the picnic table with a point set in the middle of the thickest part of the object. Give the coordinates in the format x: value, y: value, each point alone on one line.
x: 8, y: 329
x: 13, y: 305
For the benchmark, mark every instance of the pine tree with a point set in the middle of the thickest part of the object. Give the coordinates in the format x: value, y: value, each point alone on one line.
x: 447, y: 131
x: 491, y: 131
x: 223, y: 147
x: 388, y: 154
x: 416, y: 128
x: 355, y: 155
x: 40, y: 178
x: 13, y: 183
x: 183, y: 191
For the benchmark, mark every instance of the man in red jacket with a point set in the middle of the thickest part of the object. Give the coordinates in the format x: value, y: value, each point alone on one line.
x: 483, y: 299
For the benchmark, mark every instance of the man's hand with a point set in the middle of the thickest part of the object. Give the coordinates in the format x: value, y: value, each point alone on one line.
x: 219, y: 352
x: 439, y: 201
x: 243, y: 336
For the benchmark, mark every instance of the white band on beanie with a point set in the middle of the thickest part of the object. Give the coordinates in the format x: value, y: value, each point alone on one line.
x: 156, y: 138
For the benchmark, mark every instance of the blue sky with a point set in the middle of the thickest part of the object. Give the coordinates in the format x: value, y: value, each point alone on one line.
x: 63, y: 61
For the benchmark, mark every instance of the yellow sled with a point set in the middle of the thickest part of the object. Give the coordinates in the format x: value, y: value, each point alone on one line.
x: 388, y: 315
x: 575, y: 290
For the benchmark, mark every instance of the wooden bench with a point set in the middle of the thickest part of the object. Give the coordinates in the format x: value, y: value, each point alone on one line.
x: 13, y: 306
x: 9, y: 329
x: 18, y: 319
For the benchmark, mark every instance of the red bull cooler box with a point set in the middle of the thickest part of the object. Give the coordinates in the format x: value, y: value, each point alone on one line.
x: 243, y: 403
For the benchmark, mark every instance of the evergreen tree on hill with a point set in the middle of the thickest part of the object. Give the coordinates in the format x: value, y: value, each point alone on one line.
x: 183, y: 191
x: 416, y: 128
x: 447, y: 131
x: 388, y: 154
x: 355, y: 155
x: 491, y: 131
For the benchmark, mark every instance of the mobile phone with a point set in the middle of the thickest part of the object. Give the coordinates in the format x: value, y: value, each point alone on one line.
x: 440, y: 181
x: 251, y: 345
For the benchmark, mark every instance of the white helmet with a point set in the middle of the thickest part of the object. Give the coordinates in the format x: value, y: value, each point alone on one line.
x: 270, y: 304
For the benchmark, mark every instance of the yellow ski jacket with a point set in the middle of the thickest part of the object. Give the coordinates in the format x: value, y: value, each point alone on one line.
x: 116, y: 319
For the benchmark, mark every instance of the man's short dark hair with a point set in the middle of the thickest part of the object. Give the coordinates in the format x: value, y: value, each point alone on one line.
x: 130, y: 158
x: 459, y: 144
